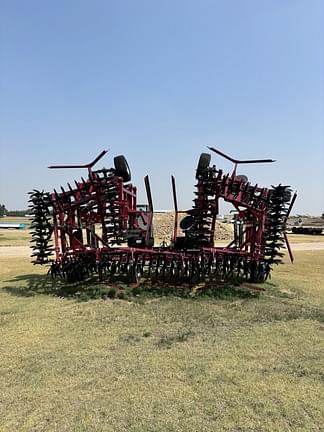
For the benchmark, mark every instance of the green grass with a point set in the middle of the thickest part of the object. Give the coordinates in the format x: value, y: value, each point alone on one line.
x: 233, y: 363
x: 16, y: 219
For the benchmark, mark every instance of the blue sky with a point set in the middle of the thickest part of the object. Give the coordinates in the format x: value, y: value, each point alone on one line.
x: 158, y: 81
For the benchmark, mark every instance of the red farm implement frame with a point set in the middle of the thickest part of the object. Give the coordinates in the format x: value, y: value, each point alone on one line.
x: 99, y: 228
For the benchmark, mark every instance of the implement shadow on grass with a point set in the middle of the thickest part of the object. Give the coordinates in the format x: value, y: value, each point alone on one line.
x: 30, y: 285
x: 221, y: 291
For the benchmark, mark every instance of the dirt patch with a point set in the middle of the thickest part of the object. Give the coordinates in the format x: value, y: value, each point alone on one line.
x: 163, y: 228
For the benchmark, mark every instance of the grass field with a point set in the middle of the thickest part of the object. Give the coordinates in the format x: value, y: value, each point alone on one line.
x: 302, y: 238
x: 16, y: 219
x: 14, y: 237
x: 242, y: 362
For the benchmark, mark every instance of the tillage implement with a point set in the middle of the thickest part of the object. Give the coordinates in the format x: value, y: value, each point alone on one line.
x: 98, y: 227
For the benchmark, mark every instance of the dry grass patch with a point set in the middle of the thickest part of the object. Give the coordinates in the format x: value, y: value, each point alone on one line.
x: 165, y: 364
x: 14, y: 237
x: 302, y: 238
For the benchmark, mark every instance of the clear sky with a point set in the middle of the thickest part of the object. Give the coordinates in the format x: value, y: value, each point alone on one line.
x: 158, y: 81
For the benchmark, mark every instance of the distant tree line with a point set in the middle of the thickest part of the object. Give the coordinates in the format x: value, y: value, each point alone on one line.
x: 3, y: 210
x: 17, y: 213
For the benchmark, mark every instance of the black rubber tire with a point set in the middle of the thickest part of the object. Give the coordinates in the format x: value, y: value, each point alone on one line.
x: 186, y: 222
x: 287, y: 195
x: 203, y: 163
x: 122, y: 168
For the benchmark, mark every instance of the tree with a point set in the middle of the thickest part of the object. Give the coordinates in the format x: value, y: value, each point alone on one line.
x: 3, y: 210
x: 17, y: 213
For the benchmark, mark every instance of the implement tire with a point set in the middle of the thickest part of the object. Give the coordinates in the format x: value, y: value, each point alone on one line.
x: 122, y: 168
x: 203, y: 163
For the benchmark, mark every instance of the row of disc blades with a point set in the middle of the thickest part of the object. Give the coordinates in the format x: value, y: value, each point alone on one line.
x: 41, y: 226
